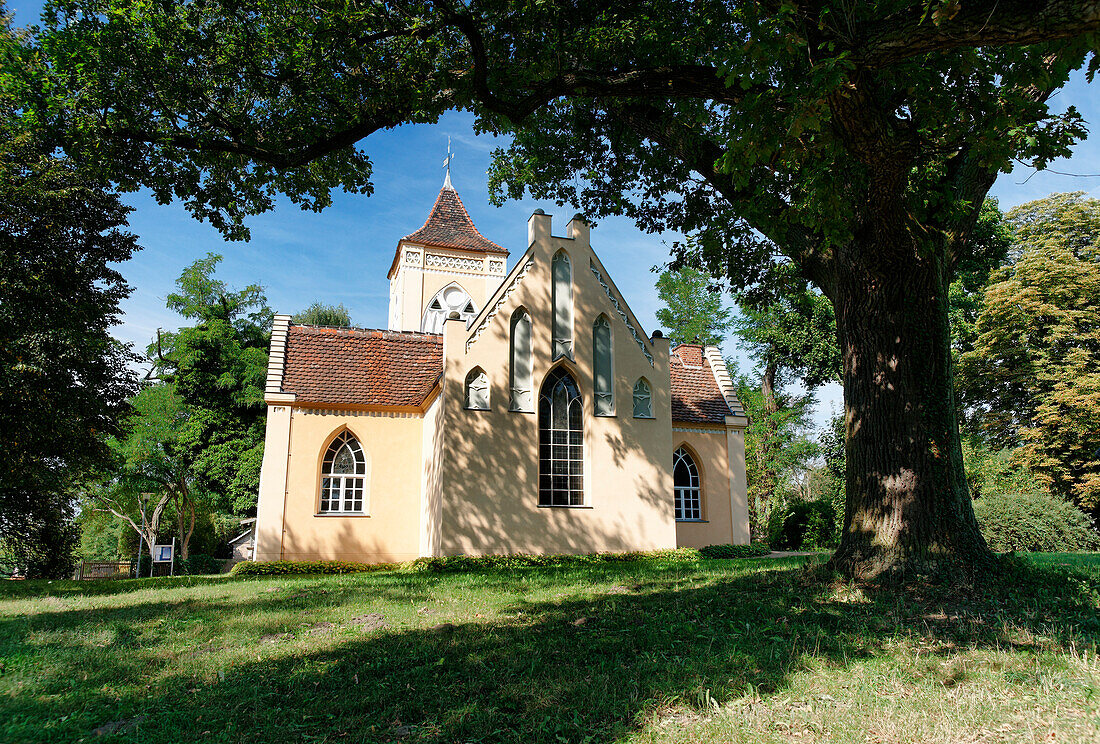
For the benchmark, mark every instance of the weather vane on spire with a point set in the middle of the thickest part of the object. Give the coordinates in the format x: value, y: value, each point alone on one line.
x: 447, y: 164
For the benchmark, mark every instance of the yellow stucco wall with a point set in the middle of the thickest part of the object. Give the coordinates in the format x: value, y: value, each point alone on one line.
x: 490, y: 483
x: 390, y: 530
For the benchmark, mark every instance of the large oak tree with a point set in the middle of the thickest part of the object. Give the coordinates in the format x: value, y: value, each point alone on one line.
x: 852, y: 141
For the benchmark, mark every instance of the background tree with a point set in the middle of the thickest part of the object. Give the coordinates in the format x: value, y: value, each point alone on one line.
x: 694, y: 311
x: 990, y: 244
x: 853, y: 141
x: 778, y: 447
x: 1033, y: 376
x: 154, y: 469
x: 218, y: 367
x: 63, y: 379
x: 792, y: 338
x: 324, y: 315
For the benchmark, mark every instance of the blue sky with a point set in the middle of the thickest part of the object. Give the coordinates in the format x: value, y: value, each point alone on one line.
x: 342, y: 254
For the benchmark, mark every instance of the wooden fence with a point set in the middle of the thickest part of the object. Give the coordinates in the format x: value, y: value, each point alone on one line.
x: 105, y: 570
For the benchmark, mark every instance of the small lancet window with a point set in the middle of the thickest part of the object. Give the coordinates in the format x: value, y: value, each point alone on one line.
x: 602, y: 377
x: 562, y: 290
x: 685, y: 481
x: 343, y: 473
x: 477, y: 390
x: 643, y: 399
x: 520, y: 372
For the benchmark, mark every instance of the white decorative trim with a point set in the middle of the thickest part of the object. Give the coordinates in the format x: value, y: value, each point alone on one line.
x: 496, y: 267
x: 619, y: 309
x: 722, y: 377
x: 276, y: 360
x: 412, y: 257
x: 441, y: 261
x: 697, y: 430
x: 500, y: 303
x: 370, y: 414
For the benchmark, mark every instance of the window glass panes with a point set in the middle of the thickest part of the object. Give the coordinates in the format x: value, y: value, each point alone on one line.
x: 561, y: 441
x: 343, y: 476
x: 685, y: 482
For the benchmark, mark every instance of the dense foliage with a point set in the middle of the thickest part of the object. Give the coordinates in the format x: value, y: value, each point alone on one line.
x: 218, y: 366
x: 693, y: 310
x: 1034, y: 521
x: 324, y: 315
x: 63, y: 379
x: 1033, y: 374
x: 799, y: 524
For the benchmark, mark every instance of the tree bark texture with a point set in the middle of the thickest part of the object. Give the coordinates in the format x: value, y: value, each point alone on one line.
x: 908, y: 510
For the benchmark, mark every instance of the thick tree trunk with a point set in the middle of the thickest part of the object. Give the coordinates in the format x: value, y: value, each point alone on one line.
x: 908, y: 511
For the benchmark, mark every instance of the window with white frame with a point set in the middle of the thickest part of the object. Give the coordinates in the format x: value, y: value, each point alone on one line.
x: 477, y: 390
x: 561, y: 441
x: 562, y: 291
x: 685, y: 481
x: 450, y: 299
x: 343, y: 473
x: 603, y: 386
x: 520, y: 371
x: 643, y: 399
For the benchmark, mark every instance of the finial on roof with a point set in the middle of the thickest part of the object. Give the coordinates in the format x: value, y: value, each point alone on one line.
x: 447, y: 165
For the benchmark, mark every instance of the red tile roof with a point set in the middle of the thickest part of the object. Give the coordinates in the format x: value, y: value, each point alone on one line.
x: 696, y: 397
x: 449, y: 226
x: 355, y: 366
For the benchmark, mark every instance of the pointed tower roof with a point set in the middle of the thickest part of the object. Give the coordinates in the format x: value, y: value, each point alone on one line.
x: 449, y: 226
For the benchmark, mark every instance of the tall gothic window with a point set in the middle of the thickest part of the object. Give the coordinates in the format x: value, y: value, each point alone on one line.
x: 343, y: 472
x: 477, y: 390
x: 643, y: 399
x: 685, y: 481
x: 520, y: 373
x: 603, y: 385
x: 562, y: 273
x: 561, y: 441
x: 450, y: 299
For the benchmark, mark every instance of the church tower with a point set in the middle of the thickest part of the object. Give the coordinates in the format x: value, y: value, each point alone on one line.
x: 446, y: 266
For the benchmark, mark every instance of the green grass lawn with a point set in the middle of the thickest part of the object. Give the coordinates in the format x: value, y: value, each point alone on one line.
x: 656, y: 651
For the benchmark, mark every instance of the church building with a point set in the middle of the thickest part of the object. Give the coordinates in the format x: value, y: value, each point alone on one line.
x: 502, y: 411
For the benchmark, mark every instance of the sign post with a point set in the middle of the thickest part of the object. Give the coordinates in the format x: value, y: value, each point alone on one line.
x: 164, y: 554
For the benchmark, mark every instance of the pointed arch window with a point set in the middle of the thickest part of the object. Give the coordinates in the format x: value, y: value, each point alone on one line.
x: 450, y: 299
x: 562, y: 290
x: 477, y: 390
x: 685, y: 481
x: 643, y: 399
x: 603, y: 385
x: 520, y: 371
x: 343, y: 475
x: 561, y: 441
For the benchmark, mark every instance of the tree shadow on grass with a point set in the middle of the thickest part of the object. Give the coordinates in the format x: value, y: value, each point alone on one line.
x: 570, y: 670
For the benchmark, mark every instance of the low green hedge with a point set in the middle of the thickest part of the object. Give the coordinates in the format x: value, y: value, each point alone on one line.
x: 452, y: 563
x: 298, y: 568
x: 458, y: 563
x: 755, y: 550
